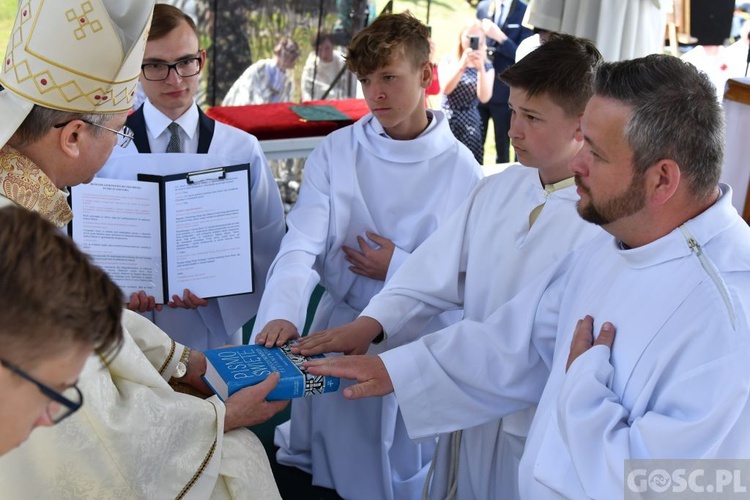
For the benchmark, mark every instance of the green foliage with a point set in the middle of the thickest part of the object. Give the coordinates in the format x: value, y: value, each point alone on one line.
x: 7, y: 16
x: 8, y: 9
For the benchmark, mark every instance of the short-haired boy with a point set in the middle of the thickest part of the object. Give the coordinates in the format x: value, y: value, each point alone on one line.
x: 372, y: 193
x: 514, y: 226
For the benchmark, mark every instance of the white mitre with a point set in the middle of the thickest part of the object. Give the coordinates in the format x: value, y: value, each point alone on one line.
x: 82, y: 56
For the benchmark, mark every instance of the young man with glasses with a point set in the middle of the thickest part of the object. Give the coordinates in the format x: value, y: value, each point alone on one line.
x: 170, y: 121
x: 134, y: 437
x: 45, y: 337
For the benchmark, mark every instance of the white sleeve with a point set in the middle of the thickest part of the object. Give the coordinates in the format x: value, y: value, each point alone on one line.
x: 694, y: 407
x: 161, y: 351
x: 474, y: 372
x: 292, y: 276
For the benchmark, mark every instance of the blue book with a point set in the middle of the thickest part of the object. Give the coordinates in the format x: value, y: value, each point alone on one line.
x: 230, y: 369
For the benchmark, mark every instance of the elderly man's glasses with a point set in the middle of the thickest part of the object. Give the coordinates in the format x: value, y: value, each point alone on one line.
x: 157, y: 71
x: 126, y: 135
x: 63, y: 404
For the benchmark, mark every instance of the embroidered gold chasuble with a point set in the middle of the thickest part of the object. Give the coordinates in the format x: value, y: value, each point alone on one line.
x: 22, y: 182
x: 134, y: 438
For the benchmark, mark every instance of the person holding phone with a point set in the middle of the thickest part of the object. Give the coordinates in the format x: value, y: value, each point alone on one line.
x: 502, y: 24
x: 469, y: 83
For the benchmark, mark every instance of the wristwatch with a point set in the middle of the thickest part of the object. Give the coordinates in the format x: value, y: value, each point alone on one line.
x: 182, y: 365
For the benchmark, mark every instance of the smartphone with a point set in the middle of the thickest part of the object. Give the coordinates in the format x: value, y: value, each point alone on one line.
x: 473, y: 42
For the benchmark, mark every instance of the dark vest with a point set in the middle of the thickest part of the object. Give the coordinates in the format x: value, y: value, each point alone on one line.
x: 137, y: 123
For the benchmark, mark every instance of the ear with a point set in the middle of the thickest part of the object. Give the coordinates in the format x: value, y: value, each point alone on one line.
x: 70, y: 139
x: 426, y: 72
x: 663, y: 179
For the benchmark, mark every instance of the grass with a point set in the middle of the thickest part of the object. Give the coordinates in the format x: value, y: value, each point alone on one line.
x: 446, y: 17
x: 7, y: 16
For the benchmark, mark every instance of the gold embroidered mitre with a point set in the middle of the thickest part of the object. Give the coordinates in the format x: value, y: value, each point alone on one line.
x: 82, y: 56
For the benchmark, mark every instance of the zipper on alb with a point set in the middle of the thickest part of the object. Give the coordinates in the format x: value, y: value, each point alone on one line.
x: 710, y: 270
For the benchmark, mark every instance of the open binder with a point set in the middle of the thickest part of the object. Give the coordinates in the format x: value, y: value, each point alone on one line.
x: 163, y: 234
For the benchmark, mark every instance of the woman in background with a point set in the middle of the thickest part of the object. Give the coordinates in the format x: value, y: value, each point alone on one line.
x: 468, y: 82
x: 323, y: 66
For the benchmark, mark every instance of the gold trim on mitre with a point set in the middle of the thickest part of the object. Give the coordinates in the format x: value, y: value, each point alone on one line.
x: 82, y: 56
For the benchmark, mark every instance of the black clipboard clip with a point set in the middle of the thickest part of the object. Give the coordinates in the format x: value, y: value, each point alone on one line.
x: 206, y: 175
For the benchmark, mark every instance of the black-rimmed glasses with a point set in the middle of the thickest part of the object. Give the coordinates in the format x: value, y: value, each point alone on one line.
x: 158, y: 71
x: 65, y: 403
x: 126, y: 135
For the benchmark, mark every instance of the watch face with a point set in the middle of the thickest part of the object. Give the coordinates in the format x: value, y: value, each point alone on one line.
x: 180, y: 370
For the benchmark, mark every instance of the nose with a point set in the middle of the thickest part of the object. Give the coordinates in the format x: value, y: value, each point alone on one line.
x: 173, y: 78
x: 375, y: 92
x: 514, y: 132
x: 44, y: 419
x: 579, y: 163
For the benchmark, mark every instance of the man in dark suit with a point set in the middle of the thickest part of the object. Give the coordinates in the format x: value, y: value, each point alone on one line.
x: 501, y: 22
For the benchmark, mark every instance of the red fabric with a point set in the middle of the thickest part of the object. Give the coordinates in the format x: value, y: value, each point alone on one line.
x: 277, y: 121
x: 434, y: 88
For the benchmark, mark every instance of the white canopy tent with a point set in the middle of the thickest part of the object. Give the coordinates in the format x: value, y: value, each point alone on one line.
x: 620, y: 29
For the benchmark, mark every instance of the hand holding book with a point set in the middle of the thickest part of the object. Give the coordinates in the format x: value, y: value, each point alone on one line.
x: 244, y: 408
x: 250, y: 406
x: 230, y: 369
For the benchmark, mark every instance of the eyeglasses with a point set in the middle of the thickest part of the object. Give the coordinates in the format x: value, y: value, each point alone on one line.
x: 65, y: 403
x: 157, y: 72
x: 125, y: 134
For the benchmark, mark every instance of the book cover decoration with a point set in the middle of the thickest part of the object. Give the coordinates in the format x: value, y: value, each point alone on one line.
x: 230, y: 369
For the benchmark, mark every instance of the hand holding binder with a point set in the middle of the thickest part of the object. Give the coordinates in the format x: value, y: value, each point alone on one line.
x: 165, y: 234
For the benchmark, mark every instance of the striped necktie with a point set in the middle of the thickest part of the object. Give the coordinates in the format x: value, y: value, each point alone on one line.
x: 174, y: 138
